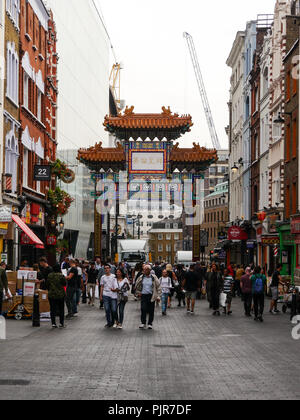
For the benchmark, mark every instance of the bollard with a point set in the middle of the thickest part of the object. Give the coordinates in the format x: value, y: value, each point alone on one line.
x: 36, y: 311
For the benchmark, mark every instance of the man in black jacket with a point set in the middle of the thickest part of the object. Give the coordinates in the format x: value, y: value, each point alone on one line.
x: 3, y: 286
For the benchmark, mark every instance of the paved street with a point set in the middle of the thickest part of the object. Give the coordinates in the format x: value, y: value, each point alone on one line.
x: 206, y: 358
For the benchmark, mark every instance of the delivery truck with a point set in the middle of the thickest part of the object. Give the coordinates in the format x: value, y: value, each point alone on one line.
x: 133, y: 251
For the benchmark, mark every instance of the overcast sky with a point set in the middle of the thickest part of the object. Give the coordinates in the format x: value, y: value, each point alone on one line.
x: 148, y: 38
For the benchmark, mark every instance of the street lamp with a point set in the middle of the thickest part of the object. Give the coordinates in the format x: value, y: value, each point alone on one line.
x: 234, y: 169
x: 61, y: 225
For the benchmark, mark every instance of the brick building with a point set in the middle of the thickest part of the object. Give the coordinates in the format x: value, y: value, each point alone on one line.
x: 216, y: 218
x: 11, y: 123
x: 38, y: 90
x: 165, y: 239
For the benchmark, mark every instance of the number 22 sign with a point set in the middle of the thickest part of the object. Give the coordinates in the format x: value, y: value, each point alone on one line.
x: 42, y: 173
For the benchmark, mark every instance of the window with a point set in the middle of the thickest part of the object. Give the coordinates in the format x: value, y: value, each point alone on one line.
x: 168, y: 237
x: 176, y: 237
x: 160, y: 237
x: 11, y: 158
x: 295, y: 134
x: 13, y: 10
x: 169, y: 248
x: 288, y: 85
x: 39, y: 105
x: 12, y: 73
x: 25, y: 166
x: 288, y: 142
x: 175, y: 225
x: 25, y: 90
x: 160, y: 248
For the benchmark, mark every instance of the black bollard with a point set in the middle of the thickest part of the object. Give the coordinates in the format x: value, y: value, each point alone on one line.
x: 36, y: 311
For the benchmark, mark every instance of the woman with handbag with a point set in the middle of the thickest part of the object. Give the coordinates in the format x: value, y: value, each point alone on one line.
x: 123, y: 288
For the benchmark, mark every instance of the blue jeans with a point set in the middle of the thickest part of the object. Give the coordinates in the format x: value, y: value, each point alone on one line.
x: 110, y: 306
x: 76, y: 300
x: 120, y: 315
x: 164, y: 301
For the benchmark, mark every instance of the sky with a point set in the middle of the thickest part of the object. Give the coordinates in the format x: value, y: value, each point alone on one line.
x: 147, y: 37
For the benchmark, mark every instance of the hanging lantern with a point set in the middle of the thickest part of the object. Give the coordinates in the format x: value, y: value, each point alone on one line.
x: 262, y: 216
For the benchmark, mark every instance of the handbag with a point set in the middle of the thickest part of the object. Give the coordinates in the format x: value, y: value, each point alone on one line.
x: 223, y: 298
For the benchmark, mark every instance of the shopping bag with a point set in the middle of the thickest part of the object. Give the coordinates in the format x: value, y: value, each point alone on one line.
x: 223, y: 298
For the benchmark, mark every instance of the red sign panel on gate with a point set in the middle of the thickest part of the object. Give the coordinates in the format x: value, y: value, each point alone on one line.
x: 295, y: 225
x: 236, y: 233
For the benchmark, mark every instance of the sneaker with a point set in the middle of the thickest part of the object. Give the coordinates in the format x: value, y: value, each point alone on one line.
x: 120, y: 327
x: 192, y: 313
x: 276, y: 311
x: 261, y: 319
x: 150, y: 327
x: 188, y: 311
x: 61, y: 326
x: 142, y: 326
x: 164, y: 313
x: 108, y: 326
x: 69, y: 316
x: 256, y: 319
x: 54, y: 326
x: 229, y: 313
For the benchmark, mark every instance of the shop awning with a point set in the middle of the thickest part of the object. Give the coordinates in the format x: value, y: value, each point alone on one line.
x: 36, y: 241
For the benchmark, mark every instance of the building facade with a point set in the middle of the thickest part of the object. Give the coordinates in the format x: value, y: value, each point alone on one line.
x: 2, y: 76
x: 216, y: 218
x: 81, y: 110
x: 11, y: 125
x: 165, y: 239
x: 235, y: 134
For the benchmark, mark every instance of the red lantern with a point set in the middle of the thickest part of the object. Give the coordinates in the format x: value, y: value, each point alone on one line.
x: 261, y: 216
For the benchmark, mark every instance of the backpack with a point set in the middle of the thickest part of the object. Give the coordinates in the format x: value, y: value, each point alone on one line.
x: 259, y: 285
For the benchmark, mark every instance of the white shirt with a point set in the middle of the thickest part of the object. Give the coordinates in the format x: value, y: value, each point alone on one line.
x: 122, y: 284
x: 166, y: 284
x: 108, y: 283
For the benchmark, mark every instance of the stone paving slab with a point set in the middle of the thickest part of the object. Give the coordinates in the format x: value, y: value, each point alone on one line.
x: 184, y: 358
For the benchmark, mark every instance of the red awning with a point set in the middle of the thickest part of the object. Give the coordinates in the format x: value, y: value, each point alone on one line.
x: 37, y: 242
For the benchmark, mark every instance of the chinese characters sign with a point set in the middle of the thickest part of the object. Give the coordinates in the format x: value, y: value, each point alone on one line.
x: 147, y: 162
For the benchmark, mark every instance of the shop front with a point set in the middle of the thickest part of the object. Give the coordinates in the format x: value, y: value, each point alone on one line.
x: 295, y: 231
x: 238, y: 250
x: 287, y: 249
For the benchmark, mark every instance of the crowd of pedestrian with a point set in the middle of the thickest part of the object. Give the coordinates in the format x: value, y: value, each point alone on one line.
x: 75, y: 282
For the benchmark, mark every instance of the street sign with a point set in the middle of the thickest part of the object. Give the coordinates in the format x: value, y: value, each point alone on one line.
x: 42, y: 172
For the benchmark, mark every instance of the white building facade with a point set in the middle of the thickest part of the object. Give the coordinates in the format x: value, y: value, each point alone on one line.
x: 265, y: 65
x: 83, y: 73
x: 236, y: 62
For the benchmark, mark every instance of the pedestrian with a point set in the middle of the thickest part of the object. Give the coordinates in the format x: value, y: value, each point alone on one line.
x: 109, y: 295
x: 55, y: 284
x: 79, y: 287
x: 92, y: 275
x: 215, y: 285
x: 137, y: 272
x: 166, y: 287
x: 157, y: 269
x: 112, y: 266
x: 101, y: 272
x: 246, y: 288
x: 123, y: 287
x: 259, y: 282
x: 228, y: 287
x: 149, y: 289
x: 45, y: 270
x: 180, y: 273
x: 3, y: 287
x: 191, y: 285
x: 65, y: 265
x: 276, y: 280
x: 173, y: 278
x: 237, y: 281
x: 98, y: 264
x: 72, y: 279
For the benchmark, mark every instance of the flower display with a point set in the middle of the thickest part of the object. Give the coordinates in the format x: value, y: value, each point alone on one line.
x: 60, y: 201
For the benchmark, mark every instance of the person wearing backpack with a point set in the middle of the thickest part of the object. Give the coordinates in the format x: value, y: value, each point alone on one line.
x: 259, y: 282
x: 166, y: 287
x: 149, y: 289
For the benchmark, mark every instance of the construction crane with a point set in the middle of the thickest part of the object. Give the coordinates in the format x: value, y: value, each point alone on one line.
x: 207, y: 110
